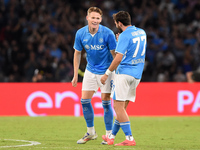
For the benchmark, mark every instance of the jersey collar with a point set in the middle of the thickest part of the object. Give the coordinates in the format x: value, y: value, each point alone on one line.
x: 99, y: 30
x: 131, y: 27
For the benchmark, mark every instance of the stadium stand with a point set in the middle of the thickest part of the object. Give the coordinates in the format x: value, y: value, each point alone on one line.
x: 37, y: 36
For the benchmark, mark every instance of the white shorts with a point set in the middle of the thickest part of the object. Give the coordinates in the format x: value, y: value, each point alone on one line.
x: 124, y: 87
x: 91, y: 82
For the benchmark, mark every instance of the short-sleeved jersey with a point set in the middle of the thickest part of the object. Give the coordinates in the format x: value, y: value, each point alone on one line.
x: 97, y: 47
x: 132, y: 44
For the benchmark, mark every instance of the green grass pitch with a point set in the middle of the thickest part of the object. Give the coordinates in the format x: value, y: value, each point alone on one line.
x: 59, y: 133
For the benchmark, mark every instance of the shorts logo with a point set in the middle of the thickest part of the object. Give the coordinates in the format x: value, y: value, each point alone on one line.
x: 112, y: 86
x: 101, y: 40
x: 87, y: 46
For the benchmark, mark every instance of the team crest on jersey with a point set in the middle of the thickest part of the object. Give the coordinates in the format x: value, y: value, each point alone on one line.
x: 101, y: 40
x: 87, y: 46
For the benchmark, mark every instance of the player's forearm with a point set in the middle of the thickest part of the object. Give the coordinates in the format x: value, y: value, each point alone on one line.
x: 115, y: 63
x: 77, y: 58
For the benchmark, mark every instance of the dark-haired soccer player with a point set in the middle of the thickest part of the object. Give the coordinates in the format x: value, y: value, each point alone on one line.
x: 129, y: 62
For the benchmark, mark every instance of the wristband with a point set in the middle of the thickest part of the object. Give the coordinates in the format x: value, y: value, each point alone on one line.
x: 108, y: 72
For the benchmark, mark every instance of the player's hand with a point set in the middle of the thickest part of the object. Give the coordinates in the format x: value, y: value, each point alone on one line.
x: 104, y: 78
x: 74, y: 81
x: 117, y: 36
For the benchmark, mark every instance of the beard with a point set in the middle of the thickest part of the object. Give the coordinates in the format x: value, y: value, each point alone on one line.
x: 120, y: 29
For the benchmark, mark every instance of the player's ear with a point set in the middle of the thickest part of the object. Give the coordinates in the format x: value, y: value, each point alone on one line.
x: 86, y: 17
x: 120, y: 24
x: 100, y: 19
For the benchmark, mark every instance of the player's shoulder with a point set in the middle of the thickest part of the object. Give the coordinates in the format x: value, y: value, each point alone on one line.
x: 142, y: 31
x: 82, y: 30
x: 133, y: 32
x: 105, y: 29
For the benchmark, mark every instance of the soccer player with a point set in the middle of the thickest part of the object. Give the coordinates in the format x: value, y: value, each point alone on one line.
x: 99, y: 43
x: 129, y: 61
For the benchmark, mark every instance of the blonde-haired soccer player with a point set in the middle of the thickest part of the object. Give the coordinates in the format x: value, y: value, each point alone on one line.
x: 99, y: 43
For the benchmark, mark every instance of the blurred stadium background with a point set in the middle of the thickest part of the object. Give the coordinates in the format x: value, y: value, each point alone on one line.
x: 36, y: 45
x: 36, y: 37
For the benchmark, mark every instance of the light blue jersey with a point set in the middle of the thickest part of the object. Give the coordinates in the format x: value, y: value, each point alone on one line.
x: 97, y: 47
x: 132, y: 44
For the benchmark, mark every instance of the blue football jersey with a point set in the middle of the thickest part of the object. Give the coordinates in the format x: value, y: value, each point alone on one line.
x: 97, y: 47
x: 132, y: 44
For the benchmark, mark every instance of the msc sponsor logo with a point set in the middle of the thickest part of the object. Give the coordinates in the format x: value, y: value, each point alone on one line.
x: 94, y: 47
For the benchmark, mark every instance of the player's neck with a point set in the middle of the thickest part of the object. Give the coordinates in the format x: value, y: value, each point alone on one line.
x: 93, y: 30
x: 125, y: 27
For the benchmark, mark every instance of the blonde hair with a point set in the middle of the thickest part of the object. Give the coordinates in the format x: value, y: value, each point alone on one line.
x: 95, y: 9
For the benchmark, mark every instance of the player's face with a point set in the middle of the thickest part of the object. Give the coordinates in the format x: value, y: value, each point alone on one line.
x: 94, y: 19
x: 118, y: 27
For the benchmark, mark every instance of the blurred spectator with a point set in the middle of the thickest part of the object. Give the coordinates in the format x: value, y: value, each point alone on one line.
x: 163, y: 76
x: 179, y: 76
x: 40, y: 35
x: 193, y: 76
x: 55, y: 51
x: 30, y: 66
x: 166, y: 64
x: 38, y: 76
x: 46, y: 70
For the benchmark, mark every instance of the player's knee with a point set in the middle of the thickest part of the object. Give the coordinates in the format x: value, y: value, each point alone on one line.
x: 105, y: 96
x: 118, y: 108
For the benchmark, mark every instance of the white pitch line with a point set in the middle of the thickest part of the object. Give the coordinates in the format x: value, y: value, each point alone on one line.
x: 31, y: 143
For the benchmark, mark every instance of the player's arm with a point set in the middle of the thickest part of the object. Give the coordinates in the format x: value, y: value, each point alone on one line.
x: 113, y: 53
x: 112, y: 43
x: 115, y: 63
x: 117, y: 36
x: 77, y: 59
